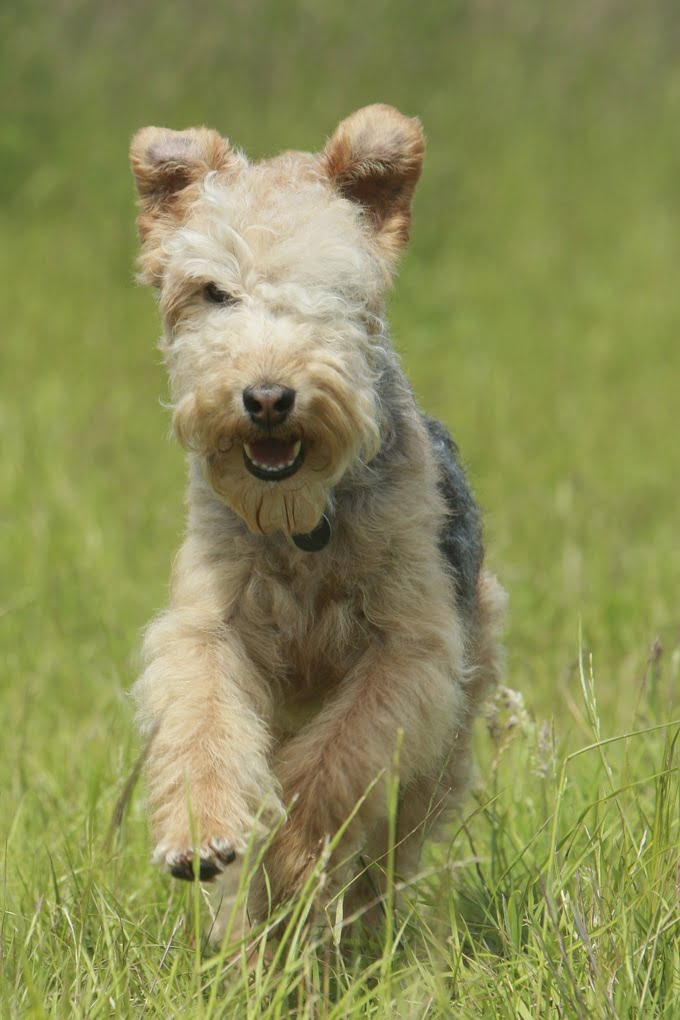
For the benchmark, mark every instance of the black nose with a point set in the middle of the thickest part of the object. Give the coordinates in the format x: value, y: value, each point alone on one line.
x: 268, y: 404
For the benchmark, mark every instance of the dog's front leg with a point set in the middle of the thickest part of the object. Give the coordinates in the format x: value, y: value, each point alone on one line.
x: 401, y: 699
x: 203, y: 700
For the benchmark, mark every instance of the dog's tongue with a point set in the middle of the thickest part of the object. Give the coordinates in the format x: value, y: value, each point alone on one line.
x: 272, y: 452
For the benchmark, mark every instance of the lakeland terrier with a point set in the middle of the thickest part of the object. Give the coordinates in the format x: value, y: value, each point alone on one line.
x: 329, y: 602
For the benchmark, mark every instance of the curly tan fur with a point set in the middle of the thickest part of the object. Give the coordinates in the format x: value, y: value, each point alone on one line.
x: 278, y: 676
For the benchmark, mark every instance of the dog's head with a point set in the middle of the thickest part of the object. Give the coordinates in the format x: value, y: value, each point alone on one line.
x: 271, y: 279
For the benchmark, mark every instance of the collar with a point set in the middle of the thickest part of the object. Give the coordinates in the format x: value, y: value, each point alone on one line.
x: 316, y: 539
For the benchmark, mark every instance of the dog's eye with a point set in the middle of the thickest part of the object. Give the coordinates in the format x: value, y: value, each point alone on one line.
x: 215, y: 296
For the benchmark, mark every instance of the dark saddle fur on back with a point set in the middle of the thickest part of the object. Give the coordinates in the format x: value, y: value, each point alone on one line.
x: 461, y: 538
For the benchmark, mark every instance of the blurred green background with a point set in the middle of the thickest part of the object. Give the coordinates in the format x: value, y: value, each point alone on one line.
x: 537, y: 311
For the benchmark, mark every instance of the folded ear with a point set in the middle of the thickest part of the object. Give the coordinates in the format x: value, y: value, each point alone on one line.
x: 165, y: 162
x: 375, y: 158
x: 164, y: 165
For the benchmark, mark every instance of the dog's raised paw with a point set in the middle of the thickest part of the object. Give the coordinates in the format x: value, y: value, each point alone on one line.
x: 213, y: 858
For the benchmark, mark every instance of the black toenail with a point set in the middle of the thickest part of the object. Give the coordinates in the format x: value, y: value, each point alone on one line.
x: 226, y: 856
x: 208, y: 871
x: 185, y: 871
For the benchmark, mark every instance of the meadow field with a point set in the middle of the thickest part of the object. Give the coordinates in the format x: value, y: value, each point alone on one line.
x: 538, y: 314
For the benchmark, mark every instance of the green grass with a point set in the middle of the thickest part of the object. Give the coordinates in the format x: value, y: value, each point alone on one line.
x: 538, y: 312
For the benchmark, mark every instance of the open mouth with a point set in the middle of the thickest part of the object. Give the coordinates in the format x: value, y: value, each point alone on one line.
x: 273, y: 459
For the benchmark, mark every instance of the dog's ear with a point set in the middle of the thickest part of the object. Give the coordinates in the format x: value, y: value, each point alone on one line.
x: 375, y: 158
x: 164, y: 165
x: 165, y: 162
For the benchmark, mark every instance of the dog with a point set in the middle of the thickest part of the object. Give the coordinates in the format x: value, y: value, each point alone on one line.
x: 329, y: 606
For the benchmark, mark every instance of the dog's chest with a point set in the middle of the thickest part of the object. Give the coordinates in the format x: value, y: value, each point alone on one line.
x: 303, y: 626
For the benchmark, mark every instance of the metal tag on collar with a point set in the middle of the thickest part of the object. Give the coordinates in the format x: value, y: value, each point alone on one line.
x: 316, y: 539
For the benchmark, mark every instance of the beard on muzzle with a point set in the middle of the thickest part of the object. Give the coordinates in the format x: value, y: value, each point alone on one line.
x: 293, y: 506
